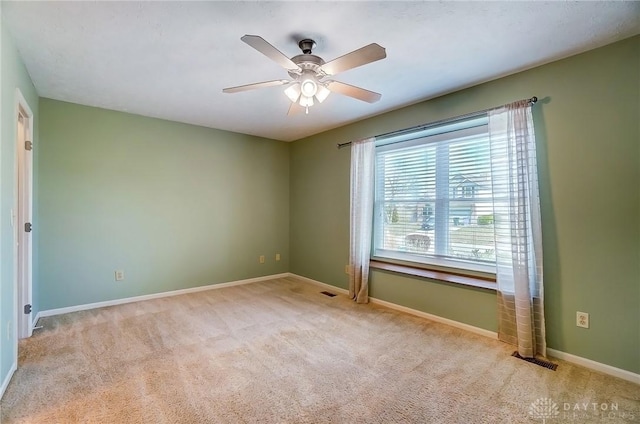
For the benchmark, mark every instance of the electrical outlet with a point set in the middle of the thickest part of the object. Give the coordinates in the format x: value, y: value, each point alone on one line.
x: 277, y: 256
x: 347, y: 269
x: 582, y: 319
x: 119, y: 275
x: 9, y: 330
x: 261, y: 259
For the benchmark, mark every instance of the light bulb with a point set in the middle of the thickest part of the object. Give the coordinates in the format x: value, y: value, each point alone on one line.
x: 309, y: 87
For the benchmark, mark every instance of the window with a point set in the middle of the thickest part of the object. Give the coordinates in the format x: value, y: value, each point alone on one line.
x: 433, y: 198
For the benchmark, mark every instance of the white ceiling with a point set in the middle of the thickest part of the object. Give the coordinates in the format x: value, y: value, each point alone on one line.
x: 171, y: 60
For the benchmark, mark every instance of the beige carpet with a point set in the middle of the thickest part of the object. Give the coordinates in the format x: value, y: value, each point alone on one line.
x: 281, y: 352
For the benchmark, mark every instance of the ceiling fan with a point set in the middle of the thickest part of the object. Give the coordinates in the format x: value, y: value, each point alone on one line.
x: 311, y: 74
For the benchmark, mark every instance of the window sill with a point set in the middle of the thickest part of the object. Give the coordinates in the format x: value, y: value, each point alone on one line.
x: 435, y: 275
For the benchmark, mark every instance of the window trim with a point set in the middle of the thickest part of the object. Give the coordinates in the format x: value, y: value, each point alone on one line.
x: 483, y: 282
x: 445, y: 269
x: 436, y: 264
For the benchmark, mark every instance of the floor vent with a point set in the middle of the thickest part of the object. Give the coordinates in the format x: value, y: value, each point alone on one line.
x: 540, y: 362
x: 326, y: 293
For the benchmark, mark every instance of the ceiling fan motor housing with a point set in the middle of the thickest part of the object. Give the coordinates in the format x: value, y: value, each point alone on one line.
x: 307, y: 45
x: 307, y: 62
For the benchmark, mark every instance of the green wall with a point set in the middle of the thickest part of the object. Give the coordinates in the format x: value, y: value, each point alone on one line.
x: 172, y: 205
x: 589, y: 166
x: 14, y: 75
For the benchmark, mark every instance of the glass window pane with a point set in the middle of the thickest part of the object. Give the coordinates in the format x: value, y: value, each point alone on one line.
x: 434, y: 199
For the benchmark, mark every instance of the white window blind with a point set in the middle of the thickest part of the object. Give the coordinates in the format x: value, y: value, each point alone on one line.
x: 434, y: 202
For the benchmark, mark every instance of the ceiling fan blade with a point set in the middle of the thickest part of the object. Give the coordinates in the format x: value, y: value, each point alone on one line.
x: 362, y: 56
x: 294, y: 109
x: 271, y: 52
x: 255, y: 85
x: 353, y: 91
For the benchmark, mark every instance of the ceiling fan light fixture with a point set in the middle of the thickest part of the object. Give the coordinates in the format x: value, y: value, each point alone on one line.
x: 293, y: 92
x: 322, y: 93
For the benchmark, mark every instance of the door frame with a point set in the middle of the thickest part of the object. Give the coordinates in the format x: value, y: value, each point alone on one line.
x: 23, y: 212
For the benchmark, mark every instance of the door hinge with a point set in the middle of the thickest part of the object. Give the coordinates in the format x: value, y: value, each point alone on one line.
x: 27, y: 309
x: 27, y: 227
x: 28, y: 145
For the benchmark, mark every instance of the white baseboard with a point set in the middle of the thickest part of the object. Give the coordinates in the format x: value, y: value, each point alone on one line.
x: 7, y: 379
x: 436, y: 318
x: 574, y: 359
x: 415, y: 312
x: 319, y: 283
x: 58, y: 311
x: 596, y: 366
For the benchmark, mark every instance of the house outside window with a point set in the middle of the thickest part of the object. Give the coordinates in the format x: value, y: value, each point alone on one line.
x: 433, y: 198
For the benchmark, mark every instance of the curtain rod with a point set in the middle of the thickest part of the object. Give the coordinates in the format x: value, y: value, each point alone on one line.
x: 532, y: 100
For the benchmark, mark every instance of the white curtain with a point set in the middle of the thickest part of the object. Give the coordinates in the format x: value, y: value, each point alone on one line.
x: 518, y: 229
x: 361, y: 217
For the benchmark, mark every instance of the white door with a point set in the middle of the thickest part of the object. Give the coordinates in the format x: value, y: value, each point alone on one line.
x: 24, y: 214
